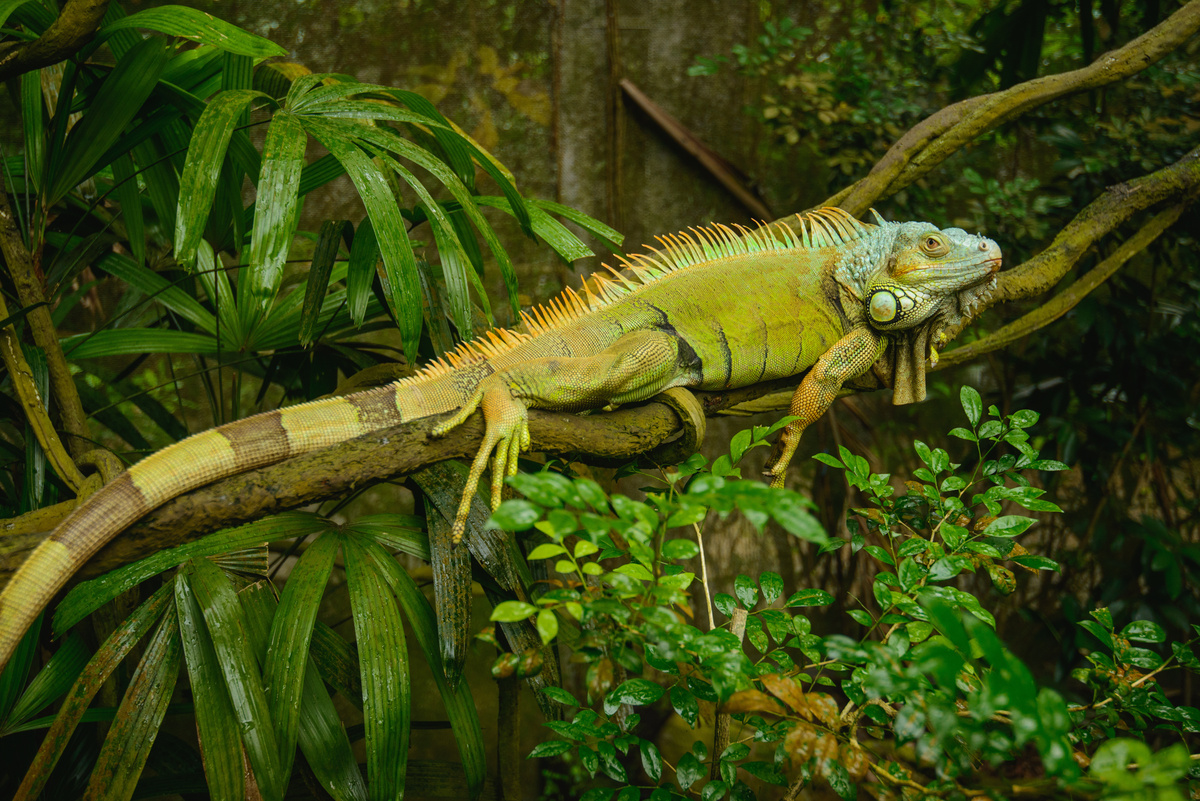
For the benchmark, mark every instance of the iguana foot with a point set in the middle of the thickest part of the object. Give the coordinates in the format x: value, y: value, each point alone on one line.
x: 507, y: 433
x: 782, y: 453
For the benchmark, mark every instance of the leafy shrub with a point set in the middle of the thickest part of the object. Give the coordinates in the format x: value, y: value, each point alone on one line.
x: 919, y: 696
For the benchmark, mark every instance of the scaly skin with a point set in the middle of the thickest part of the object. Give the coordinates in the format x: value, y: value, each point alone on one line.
x: 712, y: 311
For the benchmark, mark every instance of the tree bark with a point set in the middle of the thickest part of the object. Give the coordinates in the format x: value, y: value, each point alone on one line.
x: 73, y: 29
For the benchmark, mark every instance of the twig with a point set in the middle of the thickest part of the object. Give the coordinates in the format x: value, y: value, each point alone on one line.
x: 721, y: 727
x: 704, y: 577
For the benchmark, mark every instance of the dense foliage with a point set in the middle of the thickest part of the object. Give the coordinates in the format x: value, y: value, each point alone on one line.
x: 920, y: 699
x: 158, y: 280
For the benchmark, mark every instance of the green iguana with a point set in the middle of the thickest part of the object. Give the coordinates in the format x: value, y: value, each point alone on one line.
x: 714, y: 309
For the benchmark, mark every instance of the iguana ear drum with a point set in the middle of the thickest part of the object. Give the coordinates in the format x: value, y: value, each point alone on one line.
x: 883, y: 305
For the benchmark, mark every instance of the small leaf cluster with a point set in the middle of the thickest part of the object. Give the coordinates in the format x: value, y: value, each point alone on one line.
x: 950, y: 520
x: 1126, y: 698
x: 923, y: 699
x: 622, y: 601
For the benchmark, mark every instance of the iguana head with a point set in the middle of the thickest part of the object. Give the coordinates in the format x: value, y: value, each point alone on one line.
x: 925, y: 273
x: 913, y: 281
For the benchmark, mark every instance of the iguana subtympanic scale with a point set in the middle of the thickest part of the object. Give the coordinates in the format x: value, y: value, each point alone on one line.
x: 714, y: 309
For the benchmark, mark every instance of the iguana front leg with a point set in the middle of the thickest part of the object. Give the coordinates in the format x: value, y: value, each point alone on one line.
x: 850, y: 357
x: 637, y: 366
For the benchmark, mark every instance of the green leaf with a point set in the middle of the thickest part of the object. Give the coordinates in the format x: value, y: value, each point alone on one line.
x: 85, y: 598
x: 74, y: 706
x: 116, y: 103
x: 401, y: 285
x: 825, y: 458
x: 636, y: 692
x: 458, y: 702
x: 636, y: 571
x: 1008, y: 526
x: 126, y: 193
x: 739, y: 445
x: 910, y: 573
x: 337, y: 663
x: 126, y: 747
x: 585, y: 548
x: 545, y: 551
x: 216, y: 721
x: 136, y: 342
x: 1036, y: 562
x: 383, y: 662
x: 1141, y: 657
x: 880, y: 554
x: 456, y: 284
x: 860, y: 616
x: 1098, y: 631
x: 227, y: 625
x: 772, y: 586
x: 810, y: 598
x: 325, y: 252
x: 320, y: 731
x: 560, y: 695
x: 360, y: 273
x: 747, y: 593
x: 788, y: 509
x: 55, y: 677
x: 972, y: 404
x: 33, y: 123
x: 547, y: 625
x: 651, y: 759
x: 7, y: 7
x: 512, y: 611
x: 290, y: 634
x: 275, y: 211
x: 190, y: 23
x: 685, y: 704
x: 202, y: 168
x: 610, y: 236
x: 1024, y: 418
x: 680, y: 549
x: 1144, y: 631
x: 162, y: 291
x: 688, y: 771
x: 554, y: 233
x: 550, y: 748
x: 953, y: 535
x: 839, y: 779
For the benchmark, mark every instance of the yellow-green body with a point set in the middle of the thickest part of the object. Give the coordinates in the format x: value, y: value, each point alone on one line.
x: 715, y: 310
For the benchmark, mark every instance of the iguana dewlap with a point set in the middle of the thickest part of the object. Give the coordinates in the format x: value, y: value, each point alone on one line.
x: 714, y: 309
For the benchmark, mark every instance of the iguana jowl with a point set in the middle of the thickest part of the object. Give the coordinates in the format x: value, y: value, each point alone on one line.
x: 714, y: 309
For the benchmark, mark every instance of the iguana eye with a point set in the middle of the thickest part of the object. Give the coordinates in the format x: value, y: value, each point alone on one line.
x: 934, y: 245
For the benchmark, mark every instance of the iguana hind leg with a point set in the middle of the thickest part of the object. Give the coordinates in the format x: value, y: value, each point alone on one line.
x: 850, y: 357
x: 637, y: 366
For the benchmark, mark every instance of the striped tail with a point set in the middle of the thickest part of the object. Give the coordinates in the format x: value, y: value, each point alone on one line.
x: 198, y: 460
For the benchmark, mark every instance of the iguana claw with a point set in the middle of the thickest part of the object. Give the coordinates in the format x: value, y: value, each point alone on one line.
x: 507, y: 433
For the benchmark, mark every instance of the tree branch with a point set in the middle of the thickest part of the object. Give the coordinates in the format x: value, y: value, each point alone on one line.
x: 944, y: 133
x: 1056, y: 307
x: 74, y: 28
x: 611, y: 438
x: 29, y: 292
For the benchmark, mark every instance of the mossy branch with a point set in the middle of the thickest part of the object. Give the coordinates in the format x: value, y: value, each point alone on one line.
x: 21, y: 268
x: 944, y: 133
x: 611, y: 438
x: 76, y: 24
x: 1056, y: 307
